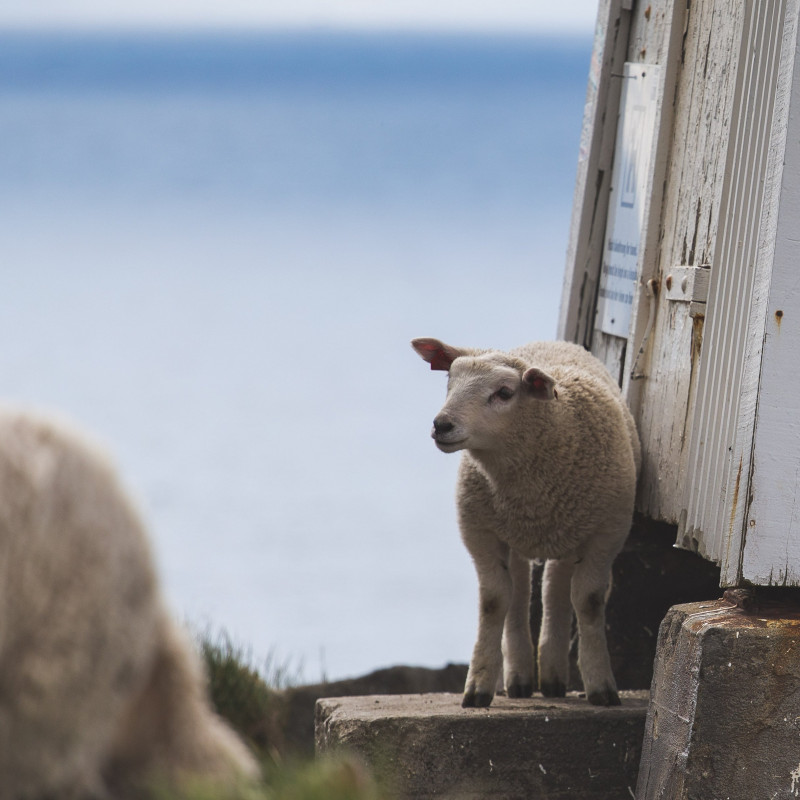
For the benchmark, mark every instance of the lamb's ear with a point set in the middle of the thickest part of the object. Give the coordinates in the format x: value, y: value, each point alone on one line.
x: 539, y: 384
x: 438, y: 354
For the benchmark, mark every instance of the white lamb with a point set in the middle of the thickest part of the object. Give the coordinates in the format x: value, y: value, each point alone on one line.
x: 100, y: 695
x: 549, y: 471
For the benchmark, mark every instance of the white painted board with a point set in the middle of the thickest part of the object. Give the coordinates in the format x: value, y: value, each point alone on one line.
x: 629, y: 184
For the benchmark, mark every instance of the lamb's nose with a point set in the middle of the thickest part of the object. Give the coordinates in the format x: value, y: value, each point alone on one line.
x: 442, y: 425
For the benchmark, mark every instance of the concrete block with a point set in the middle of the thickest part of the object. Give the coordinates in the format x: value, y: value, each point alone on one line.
x: 724, y: 719
x: 297, y: 703
x: 427, y: 746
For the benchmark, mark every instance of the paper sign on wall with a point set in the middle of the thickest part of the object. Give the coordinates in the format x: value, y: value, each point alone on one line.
x: 629, y: 184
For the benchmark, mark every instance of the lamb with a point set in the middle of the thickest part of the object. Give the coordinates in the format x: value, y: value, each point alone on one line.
x: 549, y: 469
x: 100, y: 694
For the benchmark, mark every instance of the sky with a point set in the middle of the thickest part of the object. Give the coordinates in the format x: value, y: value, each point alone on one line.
x: 487, y: 15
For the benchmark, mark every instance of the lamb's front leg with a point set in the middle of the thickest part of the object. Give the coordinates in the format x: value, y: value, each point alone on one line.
x: 517, y: 645
x: 491, y: 559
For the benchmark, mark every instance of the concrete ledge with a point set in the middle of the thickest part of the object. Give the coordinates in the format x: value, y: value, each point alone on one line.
x: 724, y: 721
x: 427, y: 746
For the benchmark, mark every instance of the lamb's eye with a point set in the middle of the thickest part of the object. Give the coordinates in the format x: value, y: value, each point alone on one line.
x: 503, y: 393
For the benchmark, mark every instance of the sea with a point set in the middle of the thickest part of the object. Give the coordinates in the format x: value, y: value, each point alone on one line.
x: 215, y: 248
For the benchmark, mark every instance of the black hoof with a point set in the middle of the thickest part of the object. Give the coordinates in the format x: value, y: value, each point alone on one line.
x: 477, y: 700
x: 606, y: 697
x: 520, y: 689
x: 553, y: 689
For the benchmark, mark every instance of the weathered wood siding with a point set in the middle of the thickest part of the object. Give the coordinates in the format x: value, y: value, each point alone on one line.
x: 709, y: 389
x: 703, y: 103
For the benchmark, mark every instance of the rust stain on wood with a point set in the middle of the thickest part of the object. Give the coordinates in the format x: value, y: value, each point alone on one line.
x: 697, y: 339
x: 735, y: 502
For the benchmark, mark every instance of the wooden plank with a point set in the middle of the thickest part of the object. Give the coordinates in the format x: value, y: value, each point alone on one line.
x: 657, y: 32
x: 590, y: 205
x: 693, y: 179
x: 703, y: 106
x: 769, y: 514
x: 708, y: 182
x: 611, y: 351
x: 718, y: 473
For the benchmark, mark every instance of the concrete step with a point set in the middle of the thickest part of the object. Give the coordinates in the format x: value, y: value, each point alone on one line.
x: 427, y: 746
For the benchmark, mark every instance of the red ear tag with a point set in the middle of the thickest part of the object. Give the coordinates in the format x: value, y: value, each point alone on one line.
x: 440, y: 361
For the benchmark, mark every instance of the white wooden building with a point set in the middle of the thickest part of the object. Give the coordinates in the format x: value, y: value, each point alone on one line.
x: 683, y: 270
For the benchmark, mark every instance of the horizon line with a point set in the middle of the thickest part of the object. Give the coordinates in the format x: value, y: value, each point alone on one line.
x: 260, y: 27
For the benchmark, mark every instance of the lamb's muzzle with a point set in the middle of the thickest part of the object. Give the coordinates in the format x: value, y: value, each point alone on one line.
x: 442, y: 425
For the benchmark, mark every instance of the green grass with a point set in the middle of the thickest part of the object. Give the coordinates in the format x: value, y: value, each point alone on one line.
x: 327, y: 779
x: 249, y: 698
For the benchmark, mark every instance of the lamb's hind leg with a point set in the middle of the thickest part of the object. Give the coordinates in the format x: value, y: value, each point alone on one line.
x: 491, y: 559
x: 556, y: 630
x: 590, y: 587
x: 517, y: 645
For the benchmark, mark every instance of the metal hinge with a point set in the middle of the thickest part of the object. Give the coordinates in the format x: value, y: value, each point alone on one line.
x: 688, y: 285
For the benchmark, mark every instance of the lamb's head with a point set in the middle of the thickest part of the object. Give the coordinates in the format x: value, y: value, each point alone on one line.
x: 485, y: 391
